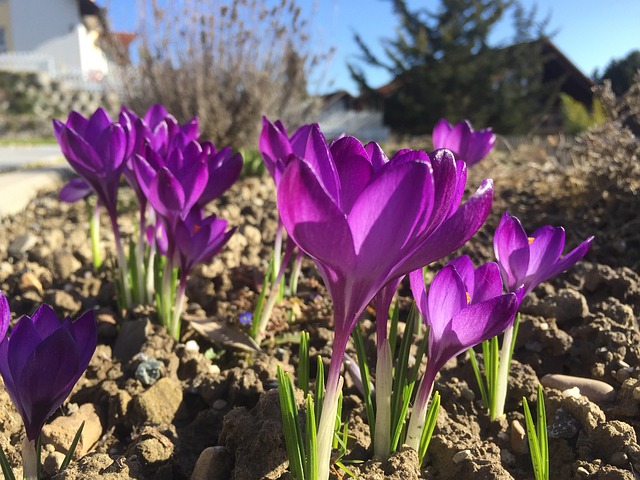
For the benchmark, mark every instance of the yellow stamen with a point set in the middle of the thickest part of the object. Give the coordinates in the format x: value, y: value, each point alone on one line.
x: 531, y: 239
x: 468, y: 298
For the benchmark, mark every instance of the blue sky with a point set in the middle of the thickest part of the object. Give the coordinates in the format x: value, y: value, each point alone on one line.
x: 589, y: 32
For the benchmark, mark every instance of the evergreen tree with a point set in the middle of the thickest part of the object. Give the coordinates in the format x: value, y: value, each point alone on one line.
x: 621, y: 72
x: 443, y: 66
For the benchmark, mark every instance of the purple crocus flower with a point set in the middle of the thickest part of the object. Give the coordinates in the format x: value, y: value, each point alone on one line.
x: 199, y: 239
x: 95, y: 148
x: 464, y: 307
x: 463, y: 141
x: 42, y: 360
x: 367, y: 220
x: 530, y: 260
x: 275, y: 147
x: 173, y: 186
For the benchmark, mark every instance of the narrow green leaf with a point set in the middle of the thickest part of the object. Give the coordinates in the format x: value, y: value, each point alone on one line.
x: 532, y: 437
x: 319, y: 389
x: 394, y: 317
x: 361, y: 355
x: 303, y: 363
x: 257, y: 312
x: 311, y: 464
x: 543, y: 440
x: 479, y: 379
x: 429, y: 426
x: 72, y: 448
x: 6, y: 468
x: 292, y: 432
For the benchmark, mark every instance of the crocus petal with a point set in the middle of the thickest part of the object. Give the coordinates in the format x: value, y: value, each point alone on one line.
x: 45, y: 321
x: 112, y: 147
x: 545, y: 247
x: 377, y: 156
x: 447, y: 297
x: 376, y: 224
x: 441, y: 133
x: 166, y: 194
x: 309, y: 144
x: 566, y: 262
x: 84, y: 331
x: 5, y: 316
x: 81, y: 156
x: 155, y: 115
x: 353, y: 168
x: 476, y: 323
x: 311, y: 218
x: 56, y: 359
x: 487, y: 283
x: 454, y: 231
x: 511, y: 247
x: 75, y: 189
x: 98, y: 123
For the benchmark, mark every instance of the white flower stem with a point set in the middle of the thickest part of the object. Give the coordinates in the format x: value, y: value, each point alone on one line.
x: 384, y: 385
x: 29, y: 460
x: 504, y: 364
x: 327, y: 425
x: 419, y: 413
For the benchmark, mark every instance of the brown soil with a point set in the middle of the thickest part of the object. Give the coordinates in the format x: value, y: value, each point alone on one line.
x: 225, y: 410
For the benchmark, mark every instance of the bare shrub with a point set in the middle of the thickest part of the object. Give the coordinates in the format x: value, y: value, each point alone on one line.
x: 228, y: 62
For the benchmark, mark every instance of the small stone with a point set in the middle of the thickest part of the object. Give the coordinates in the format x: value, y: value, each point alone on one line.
x: 564, y: 425
x: 518, y: 438
x: 21, y: 245
x: 571, y: 392
x: 52, y: 462
x: 158, y: 404
x: 595, y: 390
x: 507, y: 457
x: 63, y: 300
x: 60, y: 431
x: 149, y: 371
x: 133, y: 335
x: 64, y: 264
x: 461, y: 456
x: 219, y: 404
x: 29, y: 282
x: 192, y: 346
x: 213, y: 463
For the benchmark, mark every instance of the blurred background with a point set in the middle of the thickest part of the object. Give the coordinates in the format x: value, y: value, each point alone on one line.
x: 381, y: 70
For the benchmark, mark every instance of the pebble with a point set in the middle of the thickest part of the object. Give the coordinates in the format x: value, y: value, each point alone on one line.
x: 28, y: 281
x: 461, y: 456
x: 213, y: 463
x: 595, y: 390
x: 192, y: 346
x: 219, y: 404
x: 21, y: 244
x: 518, y: 438
x: 60, y: 431
x: 149, y: 371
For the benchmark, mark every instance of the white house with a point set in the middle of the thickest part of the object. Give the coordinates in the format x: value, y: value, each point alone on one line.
x: 53, y: 36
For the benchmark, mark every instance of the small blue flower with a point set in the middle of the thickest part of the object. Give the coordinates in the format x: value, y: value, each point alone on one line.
x: 246, y: 318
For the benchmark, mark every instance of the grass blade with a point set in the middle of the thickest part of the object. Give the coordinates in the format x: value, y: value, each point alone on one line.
x: 72, y: 448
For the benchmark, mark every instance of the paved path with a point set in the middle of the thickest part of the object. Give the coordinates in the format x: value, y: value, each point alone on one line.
x: 24, y: 171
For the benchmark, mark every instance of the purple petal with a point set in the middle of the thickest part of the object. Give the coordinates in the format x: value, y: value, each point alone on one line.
x: 274, y: 144
x: 155, y: 115
x: 545, y: 247
x: 98, y: 123
x: 75, y: 189
x: 455, y: 231
x: 487, y: 282
x: 309, y: 144
x: 81, y: 156
x: 5, y: 317
x: 440, y: 134
x: 567, y: 261
x: 45, y: 321
x: 511, y: 247
x: 378, y: 229
x: 166, y: 193
x: 447, y: 297
x: 145, y: 174
x: 376, y: 155
x: 84, y: 331
x: 354, y: 170
x: 311, y: 218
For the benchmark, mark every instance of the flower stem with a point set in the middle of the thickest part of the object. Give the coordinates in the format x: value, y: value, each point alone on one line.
x: 503, y: 372
x: 295, y: 273
x: 178, y: 307
x: 122, y: 260
x: 94, y: 233
x: 29, y: 460
x: 384, y: 385
x: 419, y: 413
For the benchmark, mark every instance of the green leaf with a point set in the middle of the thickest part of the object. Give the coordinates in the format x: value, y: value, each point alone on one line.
x: 292, y: 432
x: 303, y: 363
x: 429, y: 426
x: 6, y: 468
x: 312, y: 442
x: 366, y: 379
x: 72, y: 448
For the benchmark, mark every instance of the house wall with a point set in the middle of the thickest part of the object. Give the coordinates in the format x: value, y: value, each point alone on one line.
x: 5, y: 26
x: 35, y: 22
x: 54, y: 28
